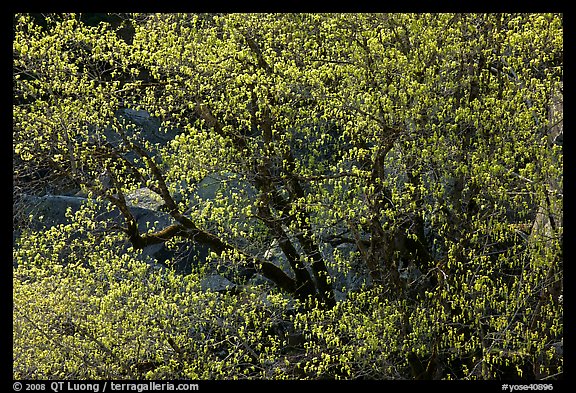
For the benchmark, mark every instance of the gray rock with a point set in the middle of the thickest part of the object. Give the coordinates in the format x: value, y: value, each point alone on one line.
x: 216, y: 283
x: 559, y: 347
x: 339, y: 296
x: 207, y: 188
x: 51, y: 210
x: 148, y: 126
x: 144, y: 198
x: 258, y: 279
x: 223, y: 185
x: 275, y: 255
x: 348, y: 278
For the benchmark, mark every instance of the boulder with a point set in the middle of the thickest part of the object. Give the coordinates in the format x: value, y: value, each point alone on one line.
x: 51, y: 210
x: 223, y: 185
x: 144, y: 198
x: 275, y: 255
x: 148, y: 125
x: 216, y: 283
x: 345, y: 279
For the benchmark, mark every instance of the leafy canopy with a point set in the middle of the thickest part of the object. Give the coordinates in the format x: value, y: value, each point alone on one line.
x: 405, y: 169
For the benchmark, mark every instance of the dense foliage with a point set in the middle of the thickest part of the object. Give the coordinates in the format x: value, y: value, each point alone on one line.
x: 406, y: 170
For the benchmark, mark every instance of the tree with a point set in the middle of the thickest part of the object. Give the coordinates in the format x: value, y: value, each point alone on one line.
x: 413, y: 147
